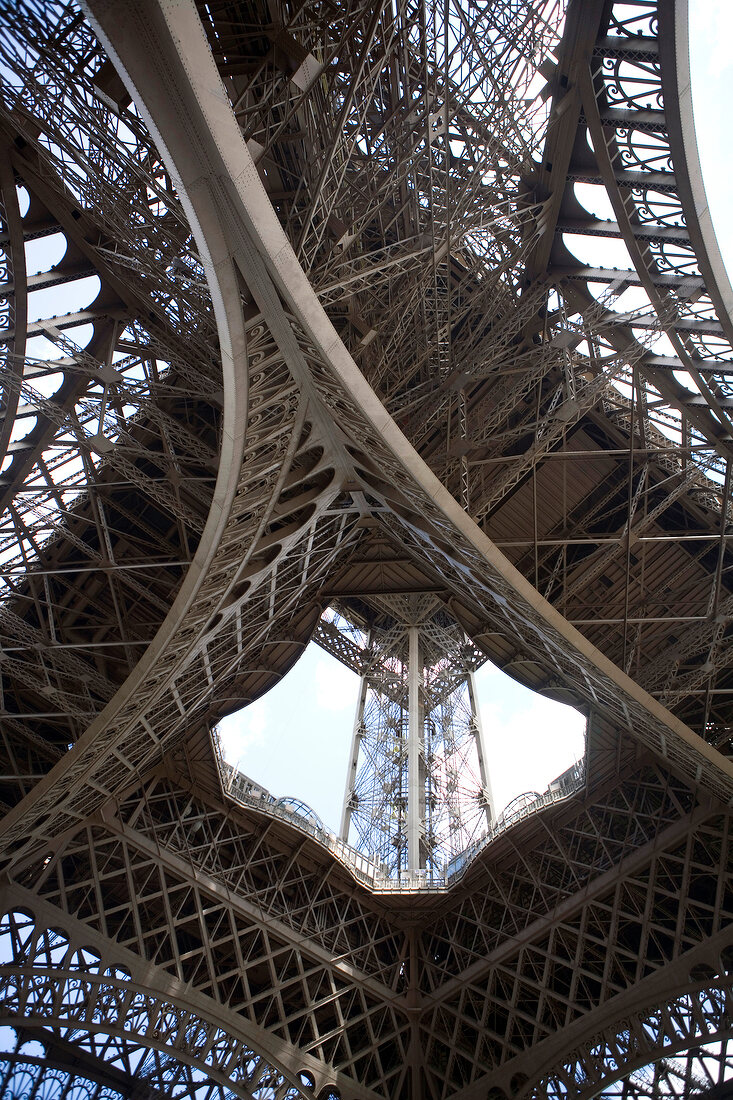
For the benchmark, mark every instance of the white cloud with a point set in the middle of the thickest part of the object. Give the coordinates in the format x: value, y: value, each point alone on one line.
x: 295, y: 740
x: 711, y: 25
x: 531, y: 747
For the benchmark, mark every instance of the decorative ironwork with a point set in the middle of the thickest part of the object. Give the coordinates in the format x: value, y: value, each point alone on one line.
x: 331, y: 310
x: 417, y: 789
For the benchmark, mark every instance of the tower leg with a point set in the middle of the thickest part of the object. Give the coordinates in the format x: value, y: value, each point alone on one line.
x: 353, y: 760
x: 478, y: 734
x: 415, y: 754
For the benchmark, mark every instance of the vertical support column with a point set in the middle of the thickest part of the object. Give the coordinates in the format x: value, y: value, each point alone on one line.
x: 353, y: 760
x: 415, y: 769
x: 478, y: 733
x: 463, y: 431
x: 418, y: 759
x: 415, y: 1053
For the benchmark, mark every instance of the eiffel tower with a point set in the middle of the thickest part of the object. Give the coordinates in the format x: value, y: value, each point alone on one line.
x: 304, y: 307
x: 418, y: 792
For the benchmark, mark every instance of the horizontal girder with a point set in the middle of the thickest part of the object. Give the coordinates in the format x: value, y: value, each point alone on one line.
x: 334, y: 323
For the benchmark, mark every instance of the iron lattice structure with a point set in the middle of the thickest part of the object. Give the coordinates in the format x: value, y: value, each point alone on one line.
x: 305, y: 305
x: 417, y: 789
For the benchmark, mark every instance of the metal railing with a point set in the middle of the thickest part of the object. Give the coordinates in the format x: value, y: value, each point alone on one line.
x: 561, y: 788
x: 246, y: 792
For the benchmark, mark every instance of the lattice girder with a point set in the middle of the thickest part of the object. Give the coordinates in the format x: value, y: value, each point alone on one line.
x: 356, y: 204
x: 613, y: 899
x: 678, y: 1046
x: 332, y: 397
x: 80, y: 992
x: 417, y: 793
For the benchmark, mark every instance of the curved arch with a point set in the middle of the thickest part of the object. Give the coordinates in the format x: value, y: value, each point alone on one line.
x: 698, y: 1016
x: 189, y: 660
x: 48, y: 983
x: 89, y: 446
x: 238, y: 514
x: 666, y: 267
x: 271, y: 267
x: 675, y: 57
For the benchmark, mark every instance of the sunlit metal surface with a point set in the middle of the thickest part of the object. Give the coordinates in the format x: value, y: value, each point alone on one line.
x: 310, y: 306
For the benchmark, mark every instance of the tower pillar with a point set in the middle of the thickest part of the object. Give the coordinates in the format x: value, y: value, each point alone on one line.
x: 417, y: 789
x: 415, y: 754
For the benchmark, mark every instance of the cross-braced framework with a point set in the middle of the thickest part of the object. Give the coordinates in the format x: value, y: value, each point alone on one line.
x: 306, y: 305
x: 417, y: 789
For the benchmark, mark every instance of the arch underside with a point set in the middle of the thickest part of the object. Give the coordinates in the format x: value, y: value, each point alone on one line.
x: 341, y: 348
x: 202, y: 902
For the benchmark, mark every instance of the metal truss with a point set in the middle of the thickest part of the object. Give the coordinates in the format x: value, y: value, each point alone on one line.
x: 334, y: 339
x: 694, y: 1033
x: 136, y: 1034
x: 213, y: 919
x: 417, y: 792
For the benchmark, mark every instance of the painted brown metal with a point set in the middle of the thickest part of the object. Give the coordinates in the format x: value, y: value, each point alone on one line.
x: 341, y: 350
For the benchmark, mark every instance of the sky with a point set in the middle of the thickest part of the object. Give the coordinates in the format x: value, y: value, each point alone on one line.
x: 711, y: 70
x: 295, y: 741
